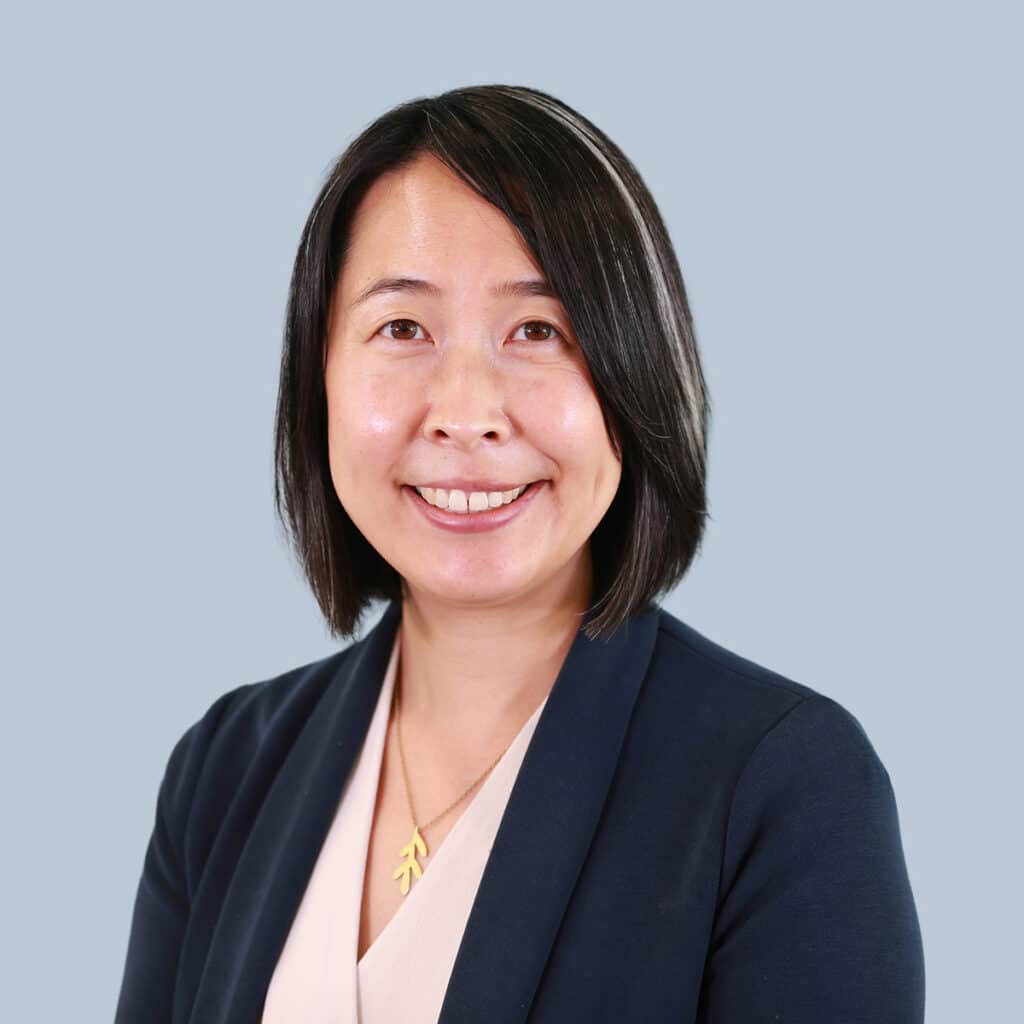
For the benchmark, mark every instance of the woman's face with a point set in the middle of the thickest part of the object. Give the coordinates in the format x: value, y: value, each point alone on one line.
x: 458, y: 384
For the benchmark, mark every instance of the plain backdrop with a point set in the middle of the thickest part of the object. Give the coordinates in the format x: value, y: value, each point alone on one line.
x: 843, y: 187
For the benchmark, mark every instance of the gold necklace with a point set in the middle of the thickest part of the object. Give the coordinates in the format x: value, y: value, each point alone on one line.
x: 417, y: 845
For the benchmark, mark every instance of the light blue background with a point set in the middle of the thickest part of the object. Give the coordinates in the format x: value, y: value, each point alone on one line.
x: 842, y: 184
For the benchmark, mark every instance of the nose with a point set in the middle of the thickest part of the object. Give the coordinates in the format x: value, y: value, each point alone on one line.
x: 466, y: 399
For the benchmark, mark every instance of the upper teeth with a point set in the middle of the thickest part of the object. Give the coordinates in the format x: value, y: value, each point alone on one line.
x: 476, y: 501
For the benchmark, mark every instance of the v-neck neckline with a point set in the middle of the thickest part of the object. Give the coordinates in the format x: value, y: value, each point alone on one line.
x: 437, y: 860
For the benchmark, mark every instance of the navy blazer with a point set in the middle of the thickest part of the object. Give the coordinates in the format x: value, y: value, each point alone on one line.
x: 691, y: 838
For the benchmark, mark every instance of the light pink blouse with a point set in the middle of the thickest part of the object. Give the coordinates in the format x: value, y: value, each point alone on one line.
x: 404, y: 975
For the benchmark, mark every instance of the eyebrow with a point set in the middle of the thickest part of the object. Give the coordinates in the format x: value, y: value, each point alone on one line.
x: 417, y: 286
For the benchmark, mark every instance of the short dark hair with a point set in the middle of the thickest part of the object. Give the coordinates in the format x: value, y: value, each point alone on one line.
x: 594, y: 229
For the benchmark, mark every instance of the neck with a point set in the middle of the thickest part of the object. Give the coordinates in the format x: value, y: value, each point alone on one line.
x: 466, y: 671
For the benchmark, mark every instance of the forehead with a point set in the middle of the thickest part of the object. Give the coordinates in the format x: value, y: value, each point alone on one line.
x: 424, y: 221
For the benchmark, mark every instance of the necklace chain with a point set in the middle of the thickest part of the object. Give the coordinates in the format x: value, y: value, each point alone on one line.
x: 396, y: 701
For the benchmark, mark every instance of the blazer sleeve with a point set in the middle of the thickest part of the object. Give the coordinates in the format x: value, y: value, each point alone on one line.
x: 816, y: 922
x: 164, y: 892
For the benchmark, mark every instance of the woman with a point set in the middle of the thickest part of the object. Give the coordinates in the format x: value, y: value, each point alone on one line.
x: 529, y: 793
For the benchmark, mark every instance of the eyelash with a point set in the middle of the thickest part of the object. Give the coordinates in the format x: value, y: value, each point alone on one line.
x: 525, y: 323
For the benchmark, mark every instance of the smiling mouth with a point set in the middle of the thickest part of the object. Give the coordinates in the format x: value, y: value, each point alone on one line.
x: 472, y: 503
x: 458, y: 500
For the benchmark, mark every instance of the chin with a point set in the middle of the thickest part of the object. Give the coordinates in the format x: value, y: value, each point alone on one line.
x: 465, y: 588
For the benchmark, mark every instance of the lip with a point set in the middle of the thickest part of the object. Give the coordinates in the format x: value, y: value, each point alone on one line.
x: 476, y: 522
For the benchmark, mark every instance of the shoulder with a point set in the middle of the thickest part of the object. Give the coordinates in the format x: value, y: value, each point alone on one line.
x: 680, y: 642
x: 245, y: 734
x: 757, y: 715
x: 797, y: 777
x: 242, y: 718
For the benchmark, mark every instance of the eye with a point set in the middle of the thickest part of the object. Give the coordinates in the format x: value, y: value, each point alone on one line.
x: 402, y: 326
x: 533, y: 326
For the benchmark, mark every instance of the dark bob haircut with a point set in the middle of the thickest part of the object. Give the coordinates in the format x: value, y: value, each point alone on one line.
x: 595, y: 231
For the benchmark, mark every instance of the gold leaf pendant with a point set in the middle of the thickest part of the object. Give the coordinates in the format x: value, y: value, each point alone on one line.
x: 410, y: 865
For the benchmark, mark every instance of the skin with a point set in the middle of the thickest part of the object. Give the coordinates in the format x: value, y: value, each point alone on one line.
x: 474, y: 387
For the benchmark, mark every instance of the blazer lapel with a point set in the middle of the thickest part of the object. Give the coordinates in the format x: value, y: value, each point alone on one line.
x: 549, y: 822
x: 281, y: 851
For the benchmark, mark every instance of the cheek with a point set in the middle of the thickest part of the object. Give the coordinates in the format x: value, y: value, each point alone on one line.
x: 565, y: 413
x: 365, y: 422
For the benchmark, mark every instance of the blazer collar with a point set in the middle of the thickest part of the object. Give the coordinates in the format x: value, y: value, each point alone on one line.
x: 545, y: 833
